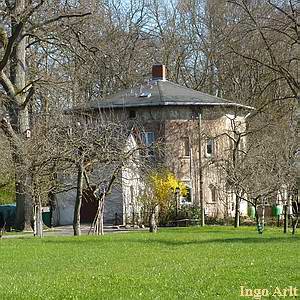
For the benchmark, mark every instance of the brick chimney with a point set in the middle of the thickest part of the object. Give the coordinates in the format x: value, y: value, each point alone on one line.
x: 158, y: 72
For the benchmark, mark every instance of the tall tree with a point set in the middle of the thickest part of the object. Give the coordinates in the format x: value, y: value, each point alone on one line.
x: 25, y: 25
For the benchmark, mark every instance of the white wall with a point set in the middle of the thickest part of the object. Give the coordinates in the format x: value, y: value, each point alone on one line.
x: 64, y: 212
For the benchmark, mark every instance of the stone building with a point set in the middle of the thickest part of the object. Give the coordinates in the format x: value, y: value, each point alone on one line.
x: 184, y: 121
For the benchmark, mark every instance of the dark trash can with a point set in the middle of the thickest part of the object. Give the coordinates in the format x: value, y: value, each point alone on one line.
x: 47, y: 216
x: 7, y: 215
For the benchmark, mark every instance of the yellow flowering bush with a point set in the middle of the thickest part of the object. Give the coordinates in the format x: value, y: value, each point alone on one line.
x: 160, y: 188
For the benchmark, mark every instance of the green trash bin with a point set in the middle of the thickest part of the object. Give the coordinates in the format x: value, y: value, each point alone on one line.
x: 277, y: 210
x: 251, y: 212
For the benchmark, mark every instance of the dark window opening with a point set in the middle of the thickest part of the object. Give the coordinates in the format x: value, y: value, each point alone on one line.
x: 213, y: 193
x: 188, y: 197
x: 186, y: 146
x: 132, y: 114
x: 209, y: 147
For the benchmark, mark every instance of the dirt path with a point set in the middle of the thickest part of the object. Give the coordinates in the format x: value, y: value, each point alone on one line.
x: 68, y: 231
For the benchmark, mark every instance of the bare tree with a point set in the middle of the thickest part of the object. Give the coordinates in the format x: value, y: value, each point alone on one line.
x: 24, y: 27
x: 99, y: 149
x: 258, y: 169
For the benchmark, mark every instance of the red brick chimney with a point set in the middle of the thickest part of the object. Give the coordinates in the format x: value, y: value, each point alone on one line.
x: 158, y: 72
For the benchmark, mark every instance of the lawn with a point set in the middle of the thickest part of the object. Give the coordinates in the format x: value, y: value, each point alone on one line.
x: 178, y: 263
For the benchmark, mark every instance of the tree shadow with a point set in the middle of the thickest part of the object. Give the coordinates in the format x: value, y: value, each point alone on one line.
x: 154, y: 241
x: 237, y: 240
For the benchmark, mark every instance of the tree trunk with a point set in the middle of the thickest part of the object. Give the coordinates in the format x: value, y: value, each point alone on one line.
x: 286, y: 219
x: 200, y: 166
x: 37, y: 207
x: 295, y: 224
x: 37, y: 220
x: 286, y: 213
x: 97, y: 224
x: 76, y: 219
x: 34, y: 221
x: 20, y: 118
x: 257, y: 221
x: 237, y: 212
x: 101, y: 218
x: 20, y: 204
x: 20, y: 176
x: 263, y: 219
x: 23, y: 199
x: 260, y: 218
x: 152, y: 222
x: 99, y: 221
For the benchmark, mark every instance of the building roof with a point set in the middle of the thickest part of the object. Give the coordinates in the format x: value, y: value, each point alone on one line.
x: 162, y: 93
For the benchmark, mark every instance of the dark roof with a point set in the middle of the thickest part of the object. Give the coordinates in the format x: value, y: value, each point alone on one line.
x: 161, y: 93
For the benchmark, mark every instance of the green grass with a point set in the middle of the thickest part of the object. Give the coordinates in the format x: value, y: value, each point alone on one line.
x: 186, y: 263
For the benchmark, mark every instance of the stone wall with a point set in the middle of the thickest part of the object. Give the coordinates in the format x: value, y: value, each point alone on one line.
x: 171, y: 125
x: 180, y: 123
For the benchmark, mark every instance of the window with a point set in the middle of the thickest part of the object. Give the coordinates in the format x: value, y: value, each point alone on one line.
x: 148, y: 138
x: 132, y: 114
x: 187, y: 198
x: 213, y: 193
x: 186, y: 146
x: 209, y: 147
x: 148, y: 141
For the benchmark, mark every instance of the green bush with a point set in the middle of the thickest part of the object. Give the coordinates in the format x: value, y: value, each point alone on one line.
x: 185, y: 212
x: 7, y: 194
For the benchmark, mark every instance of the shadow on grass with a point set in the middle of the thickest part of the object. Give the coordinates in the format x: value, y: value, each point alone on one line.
x: 151, y: 240
x: 179, y: 230
x: 258, y: 240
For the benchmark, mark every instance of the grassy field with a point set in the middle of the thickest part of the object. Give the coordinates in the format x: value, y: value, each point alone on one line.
x: 186, y: 263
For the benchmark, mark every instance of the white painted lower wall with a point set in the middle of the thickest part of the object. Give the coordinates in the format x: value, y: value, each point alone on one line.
x: 65, y: 203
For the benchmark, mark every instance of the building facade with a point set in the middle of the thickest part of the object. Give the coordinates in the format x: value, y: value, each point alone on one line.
x: 191, y: 132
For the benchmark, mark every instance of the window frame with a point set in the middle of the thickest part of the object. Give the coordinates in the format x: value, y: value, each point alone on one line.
x: 210, y: 142
x: 149, y: 151
x: 132, y: 114
x: 186, y: 146
x: 213, y: 193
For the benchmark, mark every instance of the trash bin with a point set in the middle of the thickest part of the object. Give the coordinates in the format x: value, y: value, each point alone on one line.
x: 7, y: 215
x: 46, y: 216
x: 277, y: 210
